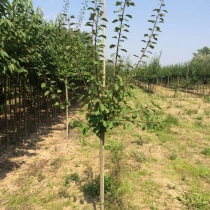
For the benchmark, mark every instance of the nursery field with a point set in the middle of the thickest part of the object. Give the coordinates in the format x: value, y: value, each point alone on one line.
x: 165, y: 168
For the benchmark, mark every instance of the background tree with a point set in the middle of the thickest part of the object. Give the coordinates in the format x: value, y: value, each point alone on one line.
x: 203, y: 51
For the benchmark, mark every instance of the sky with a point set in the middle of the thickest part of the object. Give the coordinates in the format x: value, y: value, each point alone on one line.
x: 185, y: 30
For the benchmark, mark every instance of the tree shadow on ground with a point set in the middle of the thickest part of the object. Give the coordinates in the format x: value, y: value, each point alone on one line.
x: 91, y: 188
x: 27, y: 146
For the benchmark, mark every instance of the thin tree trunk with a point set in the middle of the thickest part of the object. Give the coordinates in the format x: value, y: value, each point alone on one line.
x: 102, y: 134
x: 24, y: 107
x: 15, y: 112
x: 168, y: 82
x: 19, y: 108
x: 38, y: 104
x: 67, y: 109
x: 6, y: 110
x: 102, y: 140
x: 10, y: 98
x: 47, y: 104
x: 35, y: 102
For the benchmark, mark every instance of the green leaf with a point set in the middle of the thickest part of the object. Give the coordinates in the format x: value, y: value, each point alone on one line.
x: 104, y: 124
x: 52, y: 96
x: 112, y: 46
x: 46, y: 93
x: 130, y: 16
x: 115, y: 20
x: 124, y: 50
x: 116, y: 87
x: 110, y: 125
x: 117, y: 29
x: 43, y: 85
x: 118, y: 3
x: 102, y: 107
x: 62, y: 107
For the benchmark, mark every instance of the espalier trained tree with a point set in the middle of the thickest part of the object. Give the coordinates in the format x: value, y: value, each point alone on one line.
x: 107, y: 102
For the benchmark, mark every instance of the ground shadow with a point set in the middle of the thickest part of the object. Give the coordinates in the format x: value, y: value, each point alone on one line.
x: 26, y: 147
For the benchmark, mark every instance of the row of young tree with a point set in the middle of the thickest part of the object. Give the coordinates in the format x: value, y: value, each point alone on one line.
x: 38, y: 67
x: 193, y: 76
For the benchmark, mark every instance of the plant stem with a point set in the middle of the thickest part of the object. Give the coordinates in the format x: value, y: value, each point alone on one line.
x: 104, y: 42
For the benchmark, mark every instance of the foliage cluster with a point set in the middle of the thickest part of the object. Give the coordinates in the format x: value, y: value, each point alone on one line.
x: 39, y: 61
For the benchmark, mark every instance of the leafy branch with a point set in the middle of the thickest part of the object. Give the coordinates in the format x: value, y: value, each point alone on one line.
x: 152, y: 38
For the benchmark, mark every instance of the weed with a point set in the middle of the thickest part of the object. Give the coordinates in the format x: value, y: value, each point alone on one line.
x: 191, y: 111
x: 138, y: 156
x: 200, y: 117
x: 40, y: 177
x: 149, y: 187
x: 76, y: 165
x: 171, y: 187
x: 72, y: 177
x: 20, y: 199
x: 165, y: 136
x: 140, y: 141
x: 63, y: 193
x: 84, y: 141
x: 154, y: 207
x: 186, y: 169
x: 207, y: 99
x: 200, y: 200
x: 206, y: 151
x: 173, y: 156
x: 66, y: 181
x: 137, y: 172
x: 92, y: 189
x: 116, y: 150
x: 204, y: 171
x: 198, y: 124
x: 163, y: 98
x: 56, y: 163
x: 201, y: 124
x: 184, y: 178
x: 75, y: 177
x: 207, y: 112
x: 171, y: 120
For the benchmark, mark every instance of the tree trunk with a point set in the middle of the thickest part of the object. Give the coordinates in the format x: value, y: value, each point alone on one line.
x: 15, y: 113
x: 20, y: 118
x: 102, y: 140
x: 67, y: 109
x: 24, y: 107
x: 6, y: 110
x: 38, y: 104
x: 35, y: 102
x: 102, y: 134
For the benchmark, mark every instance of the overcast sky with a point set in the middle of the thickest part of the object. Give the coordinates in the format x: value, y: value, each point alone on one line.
x: 186, y: 27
